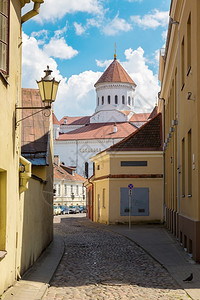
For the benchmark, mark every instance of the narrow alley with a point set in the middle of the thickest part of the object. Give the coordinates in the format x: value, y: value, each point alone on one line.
x: 99, y: 264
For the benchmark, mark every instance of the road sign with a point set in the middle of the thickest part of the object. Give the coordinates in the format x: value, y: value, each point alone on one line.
x: 130, y: 186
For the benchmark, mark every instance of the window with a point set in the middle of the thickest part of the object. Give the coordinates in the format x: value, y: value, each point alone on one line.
x: 3, y: 196
x: 86, y: 170
x: 129, y: 100
x: 72, y: 189
x: 133, y: 163
x: 77, y: 190
x: 98, y: 101
x: 116, y: 99
x: 108, y: 99
x: 189, y: 163
x: 4, y: 35
x: 103, y: 198
x: 102, y: 100
x: 189, y: 44
x: 183, y: 167
x: 123, y: 99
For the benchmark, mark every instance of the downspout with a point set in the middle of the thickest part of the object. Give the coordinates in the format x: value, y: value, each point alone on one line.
x: 178, y: 129
x: 35, y: 11
x: 163, y: 158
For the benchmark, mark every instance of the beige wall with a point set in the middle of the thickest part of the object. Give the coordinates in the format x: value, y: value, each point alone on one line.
x: 179, y: 76
x: 10, y: 94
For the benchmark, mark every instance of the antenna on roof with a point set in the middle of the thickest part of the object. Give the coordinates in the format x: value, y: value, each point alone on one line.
x: 115, y: 55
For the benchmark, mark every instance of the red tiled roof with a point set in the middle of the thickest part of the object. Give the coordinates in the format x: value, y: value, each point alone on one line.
x: 140, y: 117
x: 55, y: 120
x: 35, y: 129
x: 99, y: 131
x: 146, y: 138
x: 61, y: 173
x: 75, y: 120
x: 115, y: 73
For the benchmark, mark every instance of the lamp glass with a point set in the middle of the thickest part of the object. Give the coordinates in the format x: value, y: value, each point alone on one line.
x: 48, y: 86
x: 40, y: 85
x: 55, y: 88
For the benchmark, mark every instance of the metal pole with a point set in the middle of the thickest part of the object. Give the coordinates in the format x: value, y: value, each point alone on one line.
x: 130, y: 193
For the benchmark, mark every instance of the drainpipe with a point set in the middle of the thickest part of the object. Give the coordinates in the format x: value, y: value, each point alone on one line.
x: 163, y: 155
x: 178, y: 129
x: 35, y: 11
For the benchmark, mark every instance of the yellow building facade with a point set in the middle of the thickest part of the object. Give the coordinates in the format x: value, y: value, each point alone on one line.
x: 180, y: 90
x: 136, y: 160
x: 12, y: 165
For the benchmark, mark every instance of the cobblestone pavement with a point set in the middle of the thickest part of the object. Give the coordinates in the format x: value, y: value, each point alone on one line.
x: 99, y: 265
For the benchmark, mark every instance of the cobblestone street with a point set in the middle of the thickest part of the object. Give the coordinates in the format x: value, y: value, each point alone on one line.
x: 98, y: 264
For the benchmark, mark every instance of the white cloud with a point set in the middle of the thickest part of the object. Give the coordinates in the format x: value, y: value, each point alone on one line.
x: 152, y: 20
x: 116, y: 25
x: 76, y: 96
x: 104, y: 63
x: 79, y: 28
x: 147, y: 83
x: 58, y: 48
x: 52, y: 10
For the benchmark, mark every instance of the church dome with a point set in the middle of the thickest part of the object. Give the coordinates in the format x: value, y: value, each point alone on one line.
x: 115, y: 73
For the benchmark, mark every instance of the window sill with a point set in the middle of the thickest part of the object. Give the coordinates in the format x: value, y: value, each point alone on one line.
x: 189, y: 69
x: 2, y: 254
x: 182, y: 86
x: 189, y: 195
x: 4, y: 78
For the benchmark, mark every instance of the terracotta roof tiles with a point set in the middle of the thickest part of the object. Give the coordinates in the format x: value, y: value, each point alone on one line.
x: 115, y: 73
x: 146, y: 138
x: 61, y: 173
x: 99, y: 131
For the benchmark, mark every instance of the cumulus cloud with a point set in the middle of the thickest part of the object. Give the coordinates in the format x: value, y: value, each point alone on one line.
x: 52, y: 10
x: 152, y: 20
x: 79, y: 28
x: 59, y: 48
x: 104, y: 63
x: 116, y: 26
x: 77, y: 90
x: 76, y: 95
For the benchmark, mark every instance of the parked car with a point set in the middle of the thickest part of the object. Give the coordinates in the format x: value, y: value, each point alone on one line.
x: 56, y: 210
x: 77, y: 209
x: 66, y: 211
x: 72, y: 209
x: 82, y: 209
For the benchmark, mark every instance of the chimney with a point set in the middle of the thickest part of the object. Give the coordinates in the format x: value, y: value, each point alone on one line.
x: 115, y: 128
x: 57, y: 160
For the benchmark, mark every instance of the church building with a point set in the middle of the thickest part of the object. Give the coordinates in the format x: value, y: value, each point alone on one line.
x: 77, y: 139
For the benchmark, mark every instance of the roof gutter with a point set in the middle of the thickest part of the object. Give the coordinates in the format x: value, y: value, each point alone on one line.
x: 35, y: 11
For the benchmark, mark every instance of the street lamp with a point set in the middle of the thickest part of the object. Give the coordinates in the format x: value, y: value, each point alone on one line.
x: 48, y: 87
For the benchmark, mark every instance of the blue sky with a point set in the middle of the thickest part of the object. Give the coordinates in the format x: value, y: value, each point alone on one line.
x: 77, y: 39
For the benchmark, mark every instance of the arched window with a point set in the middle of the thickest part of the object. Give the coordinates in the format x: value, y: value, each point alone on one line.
x: 123, y: 99
x: 98, y: 101
x: 86, y: 169
x: 116, y: 99
x: 129, y: 100
x: 108, y: 99
x: 102, y: 100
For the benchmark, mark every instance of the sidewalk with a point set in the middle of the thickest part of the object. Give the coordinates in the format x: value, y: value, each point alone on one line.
x: 35, y: 281
x: 157, y: 241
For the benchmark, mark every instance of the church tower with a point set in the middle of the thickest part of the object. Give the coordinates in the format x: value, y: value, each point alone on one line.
x: 114, y: 95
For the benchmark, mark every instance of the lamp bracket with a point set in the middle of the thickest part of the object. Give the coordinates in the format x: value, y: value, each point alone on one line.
x: 28, y: 107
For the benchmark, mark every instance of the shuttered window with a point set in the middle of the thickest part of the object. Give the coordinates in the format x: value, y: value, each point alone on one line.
x: 4, y: 35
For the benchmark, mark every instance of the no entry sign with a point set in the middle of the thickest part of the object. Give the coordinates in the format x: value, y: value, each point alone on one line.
x: 130, y: 186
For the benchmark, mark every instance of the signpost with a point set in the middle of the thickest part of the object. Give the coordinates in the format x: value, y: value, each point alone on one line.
x: 130, y: 186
